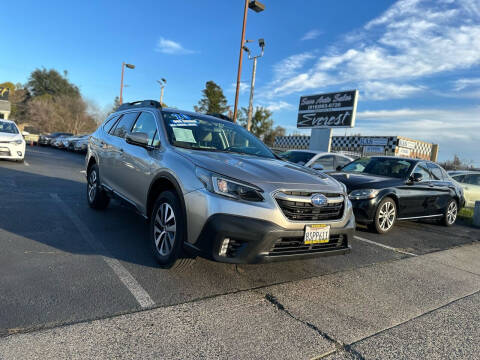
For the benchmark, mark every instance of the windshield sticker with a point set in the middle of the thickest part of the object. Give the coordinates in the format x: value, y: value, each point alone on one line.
x: 183, y: 122
x: 184, y: 135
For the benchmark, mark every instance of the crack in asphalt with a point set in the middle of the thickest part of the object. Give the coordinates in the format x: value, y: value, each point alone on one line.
x: 338, y: 344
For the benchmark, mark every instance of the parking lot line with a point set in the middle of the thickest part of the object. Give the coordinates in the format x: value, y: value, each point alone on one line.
x: 384, y: 246
x: 122, y: 273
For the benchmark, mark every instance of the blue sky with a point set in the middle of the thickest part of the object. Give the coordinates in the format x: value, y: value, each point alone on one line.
x: 416, y: 63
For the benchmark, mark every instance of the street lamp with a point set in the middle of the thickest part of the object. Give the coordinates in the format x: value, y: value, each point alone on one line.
x: 261, y: 43
x: 130, y: 66
x: 162, y: 83
x: 256, y: 6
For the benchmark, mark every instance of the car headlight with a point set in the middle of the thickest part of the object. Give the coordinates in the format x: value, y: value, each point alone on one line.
x: 16, y: 142
x: 225, y: 186
x: 363, y: 194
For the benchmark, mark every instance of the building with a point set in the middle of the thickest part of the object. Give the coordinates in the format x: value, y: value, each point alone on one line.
x: 366, y: 145
x: 4, y: 109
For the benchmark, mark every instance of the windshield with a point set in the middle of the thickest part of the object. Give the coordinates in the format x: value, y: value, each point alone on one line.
x: 297, y: 157
x: 8, y: 127
x: 397, y: 168
x: 197, y: 132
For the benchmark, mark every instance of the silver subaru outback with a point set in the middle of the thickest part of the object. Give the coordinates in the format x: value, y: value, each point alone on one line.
x: 210, y: 188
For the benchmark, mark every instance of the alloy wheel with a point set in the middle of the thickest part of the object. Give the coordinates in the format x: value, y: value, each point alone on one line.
x: 165, y: 229
x: 92, y: 186
x: 386, y: 216
x: 452, y: 212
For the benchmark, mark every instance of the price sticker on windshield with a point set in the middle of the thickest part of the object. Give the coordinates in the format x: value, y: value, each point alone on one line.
x: 316, y: 234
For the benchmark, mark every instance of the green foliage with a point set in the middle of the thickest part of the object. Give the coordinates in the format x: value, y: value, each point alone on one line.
x: 262, y: 124
x: 213, y: 100
x: 50, y: 83
x: 9, y: 85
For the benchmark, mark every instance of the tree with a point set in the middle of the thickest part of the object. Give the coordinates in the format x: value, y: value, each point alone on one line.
x: 213, y: 100
x: 43, y: 82
x: 18, y: 96
x: 262, y: 124
x: 269, y: 137
x: 61, y: 113
x: 115, y: 106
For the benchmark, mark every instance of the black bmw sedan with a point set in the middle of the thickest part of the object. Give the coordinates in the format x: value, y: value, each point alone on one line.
x: 386, y: 189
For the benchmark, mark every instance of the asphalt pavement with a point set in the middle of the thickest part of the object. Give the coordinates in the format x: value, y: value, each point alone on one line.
x: 71, y: 271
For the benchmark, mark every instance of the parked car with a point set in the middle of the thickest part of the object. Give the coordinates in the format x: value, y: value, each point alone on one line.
x: 81, y: 144
x: 384, y: 190
x: 12, y: 143
x: 317, y: 160
x: 210, y: 188
x: 57, y: 142
x: 470, y: 182
x: 46, y: 139
x: 69, y: 142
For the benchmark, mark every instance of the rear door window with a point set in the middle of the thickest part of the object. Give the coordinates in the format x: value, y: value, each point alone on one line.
x: 342, y: 161
x: 110, y: 123
x: 326, y: 161
x: 473, y: 179
x: 125, y: 124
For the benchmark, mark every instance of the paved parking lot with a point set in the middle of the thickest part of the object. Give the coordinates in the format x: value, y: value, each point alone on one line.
x: 62, y: 263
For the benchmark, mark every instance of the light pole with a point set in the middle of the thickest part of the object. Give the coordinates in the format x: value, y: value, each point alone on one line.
x: 261, y: 43
x: 162, y: 83
x: 130, y: 66
x: 256, y: 6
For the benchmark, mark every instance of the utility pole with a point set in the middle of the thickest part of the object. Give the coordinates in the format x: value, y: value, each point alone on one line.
x: 162, y: 83
x: 256, y: 6
x: 130, y: 66
x: 261, y: 43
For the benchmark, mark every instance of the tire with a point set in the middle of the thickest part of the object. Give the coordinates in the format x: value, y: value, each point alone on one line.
x: 167, y: 232
x: 385, y: 216
x: 96, y: 196
x: 450, y: 213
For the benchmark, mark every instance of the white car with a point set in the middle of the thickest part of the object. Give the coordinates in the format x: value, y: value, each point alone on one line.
x: 317, y: 160
x: 12, y: 143
x: 470, y: 182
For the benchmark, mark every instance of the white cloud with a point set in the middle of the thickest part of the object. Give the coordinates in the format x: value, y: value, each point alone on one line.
x: 289, y: 66
x: 312, y: 34
x: 279, y: 105
x: 413, y: 39
x: 171, y: 47
x: 378, y: 90
x: 461, y: 84
x: 244, y: 87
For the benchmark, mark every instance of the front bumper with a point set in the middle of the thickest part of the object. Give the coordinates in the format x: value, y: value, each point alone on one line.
x: 12, y: 151
x: 257, y: 241
x: 364, y: 210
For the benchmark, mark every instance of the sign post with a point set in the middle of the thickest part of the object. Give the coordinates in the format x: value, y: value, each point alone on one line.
x: 323, y: 112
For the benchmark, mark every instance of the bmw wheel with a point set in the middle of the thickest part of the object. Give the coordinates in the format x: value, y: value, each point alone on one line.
x: 96, y: 197
x: 167, y: 232
x: 385, y: 216
x: 451, y: 212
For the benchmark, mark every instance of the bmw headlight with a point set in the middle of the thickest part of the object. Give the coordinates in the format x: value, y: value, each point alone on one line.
x: 225, y: 186
x: 16, y: 142
x: 363, y: 194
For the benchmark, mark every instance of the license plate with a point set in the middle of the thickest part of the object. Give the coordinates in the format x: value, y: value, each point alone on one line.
x: 316, y: 234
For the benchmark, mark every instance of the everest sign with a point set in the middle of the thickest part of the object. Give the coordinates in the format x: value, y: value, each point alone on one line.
x: 333, y: 110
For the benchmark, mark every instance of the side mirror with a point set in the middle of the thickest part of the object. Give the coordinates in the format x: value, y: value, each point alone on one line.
x: 137, y: 138
x: 339, y: 168
x: 416, y: 177
x: 317, y: 167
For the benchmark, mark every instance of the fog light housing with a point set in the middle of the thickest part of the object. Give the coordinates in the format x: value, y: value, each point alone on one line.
x: 224, y: 247
x: 19, y: 153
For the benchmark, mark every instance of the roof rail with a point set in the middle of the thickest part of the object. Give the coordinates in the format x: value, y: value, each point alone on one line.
x: 139, y: 104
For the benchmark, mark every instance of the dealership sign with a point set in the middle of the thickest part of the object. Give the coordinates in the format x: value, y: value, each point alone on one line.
x: 4, y: 91
x: 333, y: 110
x: 373, y: 141
x: 406, y: 144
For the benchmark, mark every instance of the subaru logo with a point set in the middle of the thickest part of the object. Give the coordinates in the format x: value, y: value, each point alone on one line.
x: 319, y: 200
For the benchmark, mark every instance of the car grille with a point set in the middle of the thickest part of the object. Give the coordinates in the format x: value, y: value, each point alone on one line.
x: 295, y: 245
x: 305, y: 211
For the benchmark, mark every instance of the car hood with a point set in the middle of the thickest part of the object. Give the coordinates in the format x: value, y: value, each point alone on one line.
x: 258, y: 170
x: 366, y: 181
x: 10, y: 137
